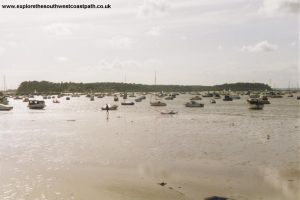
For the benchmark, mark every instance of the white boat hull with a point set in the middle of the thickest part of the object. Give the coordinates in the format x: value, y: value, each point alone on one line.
x: 5, y: 107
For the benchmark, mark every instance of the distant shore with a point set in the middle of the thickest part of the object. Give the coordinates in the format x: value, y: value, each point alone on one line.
x: 30, y: 87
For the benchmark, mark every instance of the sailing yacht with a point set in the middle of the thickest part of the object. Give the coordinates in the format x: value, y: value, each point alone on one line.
x: 157, y: 102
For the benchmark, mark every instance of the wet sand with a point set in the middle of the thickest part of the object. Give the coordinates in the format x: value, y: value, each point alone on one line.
x: 73, y: 151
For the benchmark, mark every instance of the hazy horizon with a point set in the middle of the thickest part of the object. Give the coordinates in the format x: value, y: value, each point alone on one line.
x: 195, y: 42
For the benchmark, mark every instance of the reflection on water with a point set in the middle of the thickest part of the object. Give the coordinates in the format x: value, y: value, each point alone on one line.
x: 73, y: 150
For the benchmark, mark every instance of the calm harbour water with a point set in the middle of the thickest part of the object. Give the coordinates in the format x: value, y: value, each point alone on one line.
x: 73, y: 150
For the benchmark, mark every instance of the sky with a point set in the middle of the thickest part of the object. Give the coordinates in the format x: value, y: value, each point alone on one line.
x: 190, y: 42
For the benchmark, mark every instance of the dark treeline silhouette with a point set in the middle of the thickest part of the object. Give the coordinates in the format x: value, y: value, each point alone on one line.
x: 30, y: 87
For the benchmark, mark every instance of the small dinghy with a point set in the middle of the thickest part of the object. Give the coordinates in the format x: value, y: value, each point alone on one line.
x: 127, y: 103
x: 109, y: 107
x: 168, y: 112
x: 5, y: 107
x: 195, y: 98
x: 55, y: 101
x: 194, y: 104
x: 255, y: 103
x: 36, y: 104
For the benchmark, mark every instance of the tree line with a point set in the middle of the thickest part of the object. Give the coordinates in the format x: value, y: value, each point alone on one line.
x: 46, y: 87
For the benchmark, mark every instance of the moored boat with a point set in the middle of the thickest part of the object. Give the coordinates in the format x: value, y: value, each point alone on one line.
x: 36, y: 104
x: 255, y: 103
x: 194, y: 104
x: 227, y: 98
x: 127, y: 103
x: 116, y: 98
x: 195, y: 98
x: 109, y: 107
x: 5, y: 107
x: 169, y: 112
x: 157, y: 103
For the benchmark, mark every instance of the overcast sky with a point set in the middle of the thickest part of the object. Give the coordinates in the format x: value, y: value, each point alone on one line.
x: 190, y: 42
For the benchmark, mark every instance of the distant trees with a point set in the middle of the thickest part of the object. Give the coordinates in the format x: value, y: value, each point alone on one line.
x: 30, y: 87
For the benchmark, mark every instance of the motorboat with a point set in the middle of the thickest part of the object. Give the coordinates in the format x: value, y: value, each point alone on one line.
x: 36, y: 104
x: 55, y: 101
x: 208, y: 95
x: 265, y: 99
x: 116, y: 98
x: 127, y: 103
x: 157, y: 103
x: 109, y: 107
x: 194, y: 104
x: 195, y: 98
x: 227, y: 98
x: 26, y: 99
x: 168, y: 112
x: 169, y: 98
x: 255, y: 103
x: 4, y: 101
x: 139, y: 99
x: 217, y: 96
x: 5, y: 107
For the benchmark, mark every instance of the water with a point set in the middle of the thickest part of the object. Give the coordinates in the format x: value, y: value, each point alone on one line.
x: 73, y: 150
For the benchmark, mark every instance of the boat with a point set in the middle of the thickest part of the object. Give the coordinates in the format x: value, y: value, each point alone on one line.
x: 139, y: 99
x: 169, y: 112
x: 26, y: 99
x: 194, y: 104
x: 255, y: 103
x: 265, y: 99
x: 5, y: 107
x: 227, y: 98
x: 127, y: 103
x: 68, y: 98
x: 169, y: 98
x: 55, y: 101
x: 195, y: 98
x: 92, y: 98
x: 109, y: 107
x: 116, y: 98
x: 208, y: 95
x: 217, y: 96
x: 36, y: 104
x: 4, y: 101
x: 157, y: 103
x: 290, y: 95
x: 100, y: 96
x: 212, y: 101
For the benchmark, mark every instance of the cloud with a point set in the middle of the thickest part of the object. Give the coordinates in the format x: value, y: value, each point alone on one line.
x: 153, y: 8
x: 59, y: 29
x: 154, y: 31
x: 263, y: 46
x: 279, y: 7
x: 121, y: 42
